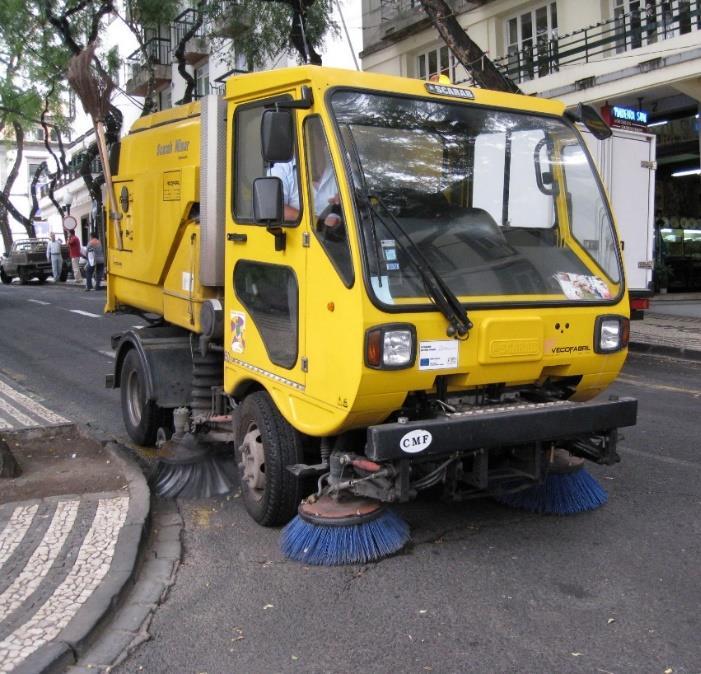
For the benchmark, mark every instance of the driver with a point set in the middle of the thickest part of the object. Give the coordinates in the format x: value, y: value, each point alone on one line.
x: 325, y: 200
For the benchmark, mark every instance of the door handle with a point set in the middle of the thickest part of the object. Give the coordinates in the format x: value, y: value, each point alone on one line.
x: 237, y: 238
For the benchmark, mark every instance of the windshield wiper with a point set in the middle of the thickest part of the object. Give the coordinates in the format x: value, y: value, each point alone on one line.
x: 436, y: 288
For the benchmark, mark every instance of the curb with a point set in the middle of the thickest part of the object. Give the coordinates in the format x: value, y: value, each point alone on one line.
x: 77, y: 637
x: 662, y: 350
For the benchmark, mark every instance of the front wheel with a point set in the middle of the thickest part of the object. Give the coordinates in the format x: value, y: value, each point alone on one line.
x: 142, y: 417
x: 5, y: 278
x: 265, y: 445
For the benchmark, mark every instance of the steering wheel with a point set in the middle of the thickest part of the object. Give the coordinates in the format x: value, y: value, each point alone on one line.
x: 332, y: 232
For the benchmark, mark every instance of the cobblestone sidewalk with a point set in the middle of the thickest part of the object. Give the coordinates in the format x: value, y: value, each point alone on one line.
x: 70, y: 531
x: 670, y: 335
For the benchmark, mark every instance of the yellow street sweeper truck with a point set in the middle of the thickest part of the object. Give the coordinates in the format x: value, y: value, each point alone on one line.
x: 363, y: 286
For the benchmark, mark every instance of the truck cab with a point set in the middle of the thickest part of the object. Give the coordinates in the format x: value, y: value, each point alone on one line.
x: 406, y: 273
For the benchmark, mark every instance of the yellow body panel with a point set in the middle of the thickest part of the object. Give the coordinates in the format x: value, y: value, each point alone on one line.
x: 328, y: 389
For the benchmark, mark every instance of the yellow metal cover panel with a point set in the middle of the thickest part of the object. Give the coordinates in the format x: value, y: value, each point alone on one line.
x: 510, y: 340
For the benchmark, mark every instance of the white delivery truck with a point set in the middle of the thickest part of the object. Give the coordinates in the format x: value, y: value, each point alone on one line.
x: 626, y: 163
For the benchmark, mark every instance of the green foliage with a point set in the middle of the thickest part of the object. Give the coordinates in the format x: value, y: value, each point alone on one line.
x: 261, y: 30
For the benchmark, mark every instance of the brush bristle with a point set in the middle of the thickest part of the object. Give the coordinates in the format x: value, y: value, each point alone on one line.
x: 338, y: 545
x: 560, y: 494
x: 199, y: 479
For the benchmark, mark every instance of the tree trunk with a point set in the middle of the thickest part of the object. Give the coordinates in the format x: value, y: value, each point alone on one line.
x: 179, y: 54
x: 5, y: 205
x: 465, y: 50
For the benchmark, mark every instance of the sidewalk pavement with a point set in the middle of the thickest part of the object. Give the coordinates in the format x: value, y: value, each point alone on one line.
x: 71, y: 526
x: 672, y: 327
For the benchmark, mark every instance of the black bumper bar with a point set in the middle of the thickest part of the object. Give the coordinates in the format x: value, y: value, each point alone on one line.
x: 498, y: 426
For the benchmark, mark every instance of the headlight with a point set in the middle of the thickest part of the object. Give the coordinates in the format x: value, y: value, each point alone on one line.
x: 611, y: 334
x: 390, y: 347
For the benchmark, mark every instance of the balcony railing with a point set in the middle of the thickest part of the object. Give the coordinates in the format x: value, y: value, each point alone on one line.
x: 149, y: 66
x: 156, y: 51
x: 69, y: 177
x: 400, y: 10
x: 625, y: 32
x: 182, y: 24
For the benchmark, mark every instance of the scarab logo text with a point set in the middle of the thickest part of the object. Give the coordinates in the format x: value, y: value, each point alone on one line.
x: 415, y: 441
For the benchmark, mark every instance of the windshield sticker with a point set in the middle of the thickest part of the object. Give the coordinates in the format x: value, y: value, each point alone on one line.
x: 389, y: 251
x: 238, y: 328
x: 438, y: 355
x: 581, y: 287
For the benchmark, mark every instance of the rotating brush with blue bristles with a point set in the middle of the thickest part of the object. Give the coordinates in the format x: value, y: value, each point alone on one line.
x: 330, y: 532
x: 567, y: 489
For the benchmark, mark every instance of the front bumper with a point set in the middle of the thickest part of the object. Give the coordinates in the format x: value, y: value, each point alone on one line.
x: 498, y: 426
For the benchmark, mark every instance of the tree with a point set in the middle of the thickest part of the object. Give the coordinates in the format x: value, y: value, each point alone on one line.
x: 466, y: 50
x: 31, y: 94
x: 265, y: 30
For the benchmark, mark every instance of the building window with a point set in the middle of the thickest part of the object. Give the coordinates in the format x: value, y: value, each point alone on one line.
x: 32, y: 167
x: 531, y: 43
x: 438, y: 61
x: 202, y: 80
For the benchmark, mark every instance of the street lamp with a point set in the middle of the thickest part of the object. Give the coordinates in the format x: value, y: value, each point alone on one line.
x: 67, y: 201
x: 69, y: 222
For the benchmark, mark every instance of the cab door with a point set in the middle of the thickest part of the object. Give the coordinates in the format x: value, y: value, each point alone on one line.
x: 264, y: 334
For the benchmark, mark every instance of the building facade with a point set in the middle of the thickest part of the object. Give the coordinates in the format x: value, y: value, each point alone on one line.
x: 638, y: 61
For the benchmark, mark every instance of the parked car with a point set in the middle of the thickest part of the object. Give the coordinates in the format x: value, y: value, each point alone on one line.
x: 27, y: 260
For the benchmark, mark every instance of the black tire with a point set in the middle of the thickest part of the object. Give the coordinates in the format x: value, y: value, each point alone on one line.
x: 5, y: 278
x: 41, y: 278
x: 142, y: 418
x: 270, y: 492
x: 64, y: 274
x: 24, y: 276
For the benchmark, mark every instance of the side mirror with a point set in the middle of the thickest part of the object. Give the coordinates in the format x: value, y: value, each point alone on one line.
x: 269, y: 208
x: 277, y: 136
x: 588, y: 116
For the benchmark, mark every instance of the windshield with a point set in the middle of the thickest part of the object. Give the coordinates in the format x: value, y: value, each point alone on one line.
x: 502, y: 205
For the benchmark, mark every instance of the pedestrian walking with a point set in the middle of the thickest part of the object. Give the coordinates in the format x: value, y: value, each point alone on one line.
x: 74, y: 248
x: 95, y: 256
x: 53, y: 255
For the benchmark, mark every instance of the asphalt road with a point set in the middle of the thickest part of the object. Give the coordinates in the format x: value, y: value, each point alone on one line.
x: 482, y: 588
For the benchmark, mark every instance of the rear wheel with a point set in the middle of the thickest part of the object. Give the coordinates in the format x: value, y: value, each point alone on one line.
x: 142, y: 417
x: 265, y: 445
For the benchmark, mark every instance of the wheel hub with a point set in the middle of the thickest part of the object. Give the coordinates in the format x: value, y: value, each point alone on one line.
x: 252, y: 463
x: 134, y: 398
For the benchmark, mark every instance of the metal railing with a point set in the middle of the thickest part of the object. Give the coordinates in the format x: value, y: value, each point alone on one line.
x: 546, y: 54
x: 398, y: 10
x: 183, y: 23
x: 156, y: 51
x: 69, y: 176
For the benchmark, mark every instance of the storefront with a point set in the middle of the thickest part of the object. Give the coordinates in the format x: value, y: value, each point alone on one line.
x: 678, y: 200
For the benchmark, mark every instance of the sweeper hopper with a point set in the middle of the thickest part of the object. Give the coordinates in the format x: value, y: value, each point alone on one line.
x: 364, y: 286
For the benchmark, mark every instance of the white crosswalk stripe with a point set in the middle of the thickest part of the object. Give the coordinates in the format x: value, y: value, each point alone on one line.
x: 41, y: 560
x: 15, y: 530
x: 90, y: 567
x: 17, y: 409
